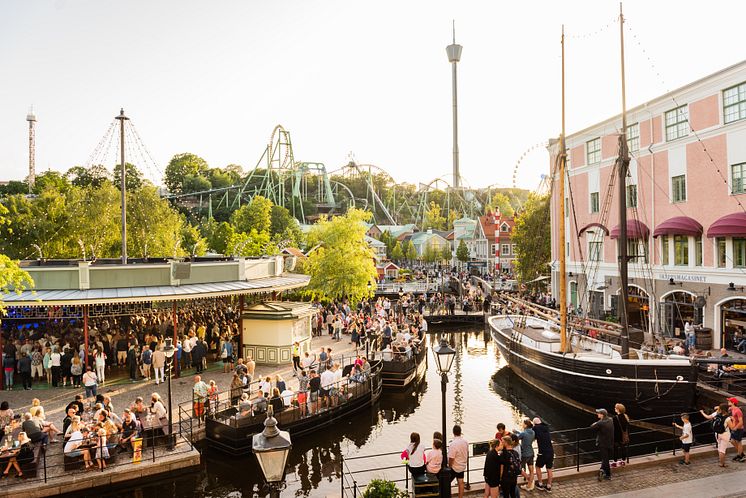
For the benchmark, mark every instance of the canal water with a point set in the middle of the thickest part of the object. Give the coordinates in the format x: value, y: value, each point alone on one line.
x: 479, y: 396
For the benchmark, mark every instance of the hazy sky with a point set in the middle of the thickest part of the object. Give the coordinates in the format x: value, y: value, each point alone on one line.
x: 371, y: 78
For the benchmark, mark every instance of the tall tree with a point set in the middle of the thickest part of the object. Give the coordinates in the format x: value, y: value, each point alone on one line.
x: 12, y: 277
x: 531, y: 236
x: 218, y: 235
x: 434, y: 217
x: 93, y: 176
x: 134, y: 179
x: 342, y: 265
x: 446, y: 253
x: 284, y: 227
x: 397, y: 253
x: 410, y: 252
x: 462, y: 252
x: 95, y: 222
x: 51, y: 180
x: 256, y: 215
x: 502, y: 202
x: 251, y: 243
x: 182, y: 166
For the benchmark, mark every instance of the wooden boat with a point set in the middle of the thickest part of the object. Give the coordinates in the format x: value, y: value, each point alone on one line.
x: 399, y: 372
x: 228, y: 432
x: 559, y: 359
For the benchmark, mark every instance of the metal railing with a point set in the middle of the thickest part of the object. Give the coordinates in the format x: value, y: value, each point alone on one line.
x: 573, y: 448
x: 52, y: 464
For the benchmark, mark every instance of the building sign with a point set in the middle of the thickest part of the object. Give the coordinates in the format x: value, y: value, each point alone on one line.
x: 682, y: 277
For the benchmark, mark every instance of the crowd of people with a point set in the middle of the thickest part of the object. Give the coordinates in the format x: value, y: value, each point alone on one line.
x: 53, y: 351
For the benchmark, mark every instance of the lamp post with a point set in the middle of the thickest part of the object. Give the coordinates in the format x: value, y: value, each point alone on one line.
x: 271, y: 449
x: 444, y: 356
x: 168, y: 349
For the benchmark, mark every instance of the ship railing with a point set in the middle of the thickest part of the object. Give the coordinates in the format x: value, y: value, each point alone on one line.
x: 326, y: 401
x: 725, y: 374
x: 573, y: 448
x: 198, y: 408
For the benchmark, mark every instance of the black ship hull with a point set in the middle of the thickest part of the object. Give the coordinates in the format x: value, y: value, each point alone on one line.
x: 647, y: 388
x: 399, y: 375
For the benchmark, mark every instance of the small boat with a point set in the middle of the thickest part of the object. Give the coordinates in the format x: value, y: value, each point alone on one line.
x: 399, y: 372
x: 231, y: 433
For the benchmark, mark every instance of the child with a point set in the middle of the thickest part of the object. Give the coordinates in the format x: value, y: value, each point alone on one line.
x: 687, y: 438
x: 102, y: 451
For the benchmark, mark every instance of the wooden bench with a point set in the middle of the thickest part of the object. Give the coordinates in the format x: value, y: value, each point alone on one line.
x: 76, y: 462
x: 31, y: 469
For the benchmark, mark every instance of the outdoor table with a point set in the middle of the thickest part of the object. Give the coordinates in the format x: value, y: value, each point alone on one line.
x: 150, y: 428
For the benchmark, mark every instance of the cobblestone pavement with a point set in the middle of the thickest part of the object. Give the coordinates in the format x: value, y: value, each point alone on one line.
x: 650, y: 478
x: 123, y: 392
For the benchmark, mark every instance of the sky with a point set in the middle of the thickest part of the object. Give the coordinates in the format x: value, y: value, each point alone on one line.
x: 369, y: 79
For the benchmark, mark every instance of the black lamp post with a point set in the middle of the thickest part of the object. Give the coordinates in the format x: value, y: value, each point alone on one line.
x: 444, y: 356
x: 169, y: 350
x: 271, y: 449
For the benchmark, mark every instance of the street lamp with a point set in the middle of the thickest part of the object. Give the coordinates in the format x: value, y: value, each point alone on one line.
x: 168, y: 349
x: 444, y: 356
x: 271, y: 449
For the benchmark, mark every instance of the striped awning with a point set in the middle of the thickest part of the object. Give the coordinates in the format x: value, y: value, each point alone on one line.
x: 730, y: 225
x: 636, y: 229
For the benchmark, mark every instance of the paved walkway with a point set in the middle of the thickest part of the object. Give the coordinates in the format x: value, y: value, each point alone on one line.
x: 123, y: 392
x: 727, y: 485
x: 660, y: 480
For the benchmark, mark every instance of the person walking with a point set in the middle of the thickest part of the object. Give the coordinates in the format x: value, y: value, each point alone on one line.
x: 24, y: 368
x: 721, y: 426
x: 621, y: 435
x: 545, y: 455
x: 736, y: 434
x: 55, y: 361
x: 604, y: 428
x: 146, y: 358
x: 100, y: 362
x: 296, y: 358
x: 686, y: 438
x: 199, y: 397
x: 90, y: 382
x: 226, y: 354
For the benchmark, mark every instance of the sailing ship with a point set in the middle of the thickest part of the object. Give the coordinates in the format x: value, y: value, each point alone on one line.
x: 589, y: 372
x: 400, y: 371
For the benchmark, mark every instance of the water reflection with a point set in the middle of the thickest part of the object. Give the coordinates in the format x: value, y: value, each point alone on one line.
x: 477, y: 399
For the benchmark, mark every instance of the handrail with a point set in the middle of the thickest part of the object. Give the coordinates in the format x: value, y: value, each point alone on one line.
x: 573, y: 440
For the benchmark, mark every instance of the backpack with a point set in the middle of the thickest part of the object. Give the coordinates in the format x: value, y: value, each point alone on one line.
x: 514, y: 469
x: 718, y: 424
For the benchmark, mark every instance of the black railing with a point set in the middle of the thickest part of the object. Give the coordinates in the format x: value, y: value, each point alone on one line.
x: 51, y: 464
x: 573, y: 448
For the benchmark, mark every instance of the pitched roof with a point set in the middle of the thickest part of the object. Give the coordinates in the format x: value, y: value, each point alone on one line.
x: 294, y: 251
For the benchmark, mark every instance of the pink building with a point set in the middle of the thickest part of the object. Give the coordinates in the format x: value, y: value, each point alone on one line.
x: 686, y: 209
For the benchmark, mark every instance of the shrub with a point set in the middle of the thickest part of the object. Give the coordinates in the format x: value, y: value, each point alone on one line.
x: 380, y: 488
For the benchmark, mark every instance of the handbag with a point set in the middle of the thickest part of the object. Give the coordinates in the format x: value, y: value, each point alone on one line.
x: 625, y: 438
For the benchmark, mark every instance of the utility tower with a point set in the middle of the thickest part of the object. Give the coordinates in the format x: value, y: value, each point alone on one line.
x: 123, y: 179
x: 31, y: 118
x: 454, y: 56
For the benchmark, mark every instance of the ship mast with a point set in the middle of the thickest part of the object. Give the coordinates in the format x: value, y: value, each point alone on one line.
x: 562, y: 243
x: 622, y: 167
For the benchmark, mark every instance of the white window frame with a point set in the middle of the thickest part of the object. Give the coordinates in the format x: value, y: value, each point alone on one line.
x: 633, y: 137
x: 673, y: 190
x: 673, y: 125
x: 593, y: 151
x: 738, y: 103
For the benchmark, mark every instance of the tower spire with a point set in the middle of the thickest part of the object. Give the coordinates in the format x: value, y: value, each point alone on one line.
x: 31, y: 118
x: 454, y: 56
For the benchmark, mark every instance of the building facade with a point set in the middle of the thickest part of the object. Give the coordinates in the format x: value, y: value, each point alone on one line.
x: 686, y: 209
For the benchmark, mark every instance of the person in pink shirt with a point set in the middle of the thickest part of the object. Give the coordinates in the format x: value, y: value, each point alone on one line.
x: 458, y: 454
x: 434, y: 457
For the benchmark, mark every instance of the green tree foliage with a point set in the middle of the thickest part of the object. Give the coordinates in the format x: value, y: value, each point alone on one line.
x: 343, y: 264
x: 410, y: 252
x: 36, y: 221
x: 94, y: 176
x: 251, y: 243
x: 453, y: 215
x: 531, y: 236
x: 218, y: 235
x: 50, y: 180
x: 183, y: 171
x: 95, y: 219
x: 462, y: 252
x: 284, y: 227
x: 502, y: 202
x: 133, y: 179
x: 380, y: 488
x: 12, y: 277
x: 434, y: 217
x: 256, y: 215
x: 14, y: 187
x: 431, y: 254
x: 446, y: 254
x: 397, y: 253
x: 390, y: 242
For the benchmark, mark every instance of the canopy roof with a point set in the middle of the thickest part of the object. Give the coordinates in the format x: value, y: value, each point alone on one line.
x: 730, y: 225
x: 679, y: 225
x: 636, y: 229
x: 154, y: 293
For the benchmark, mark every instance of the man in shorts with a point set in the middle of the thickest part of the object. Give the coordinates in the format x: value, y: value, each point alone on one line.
x: 458, y: 454
x: 737, y: 433
x: 545, y: 456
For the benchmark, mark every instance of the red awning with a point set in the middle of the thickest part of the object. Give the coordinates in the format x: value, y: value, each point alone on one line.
x: 679, y: 225
x: 589, y: 226
x: 730, y: 225
x: 636, y: 229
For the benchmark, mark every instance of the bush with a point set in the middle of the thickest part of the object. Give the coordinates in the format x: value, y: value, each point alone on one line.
x: 380, y: 488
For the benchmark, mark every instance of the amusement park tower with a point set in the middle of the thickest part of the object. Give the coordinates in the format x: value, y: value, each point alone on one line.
x: 31, y: 118
x: 454, y: 55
